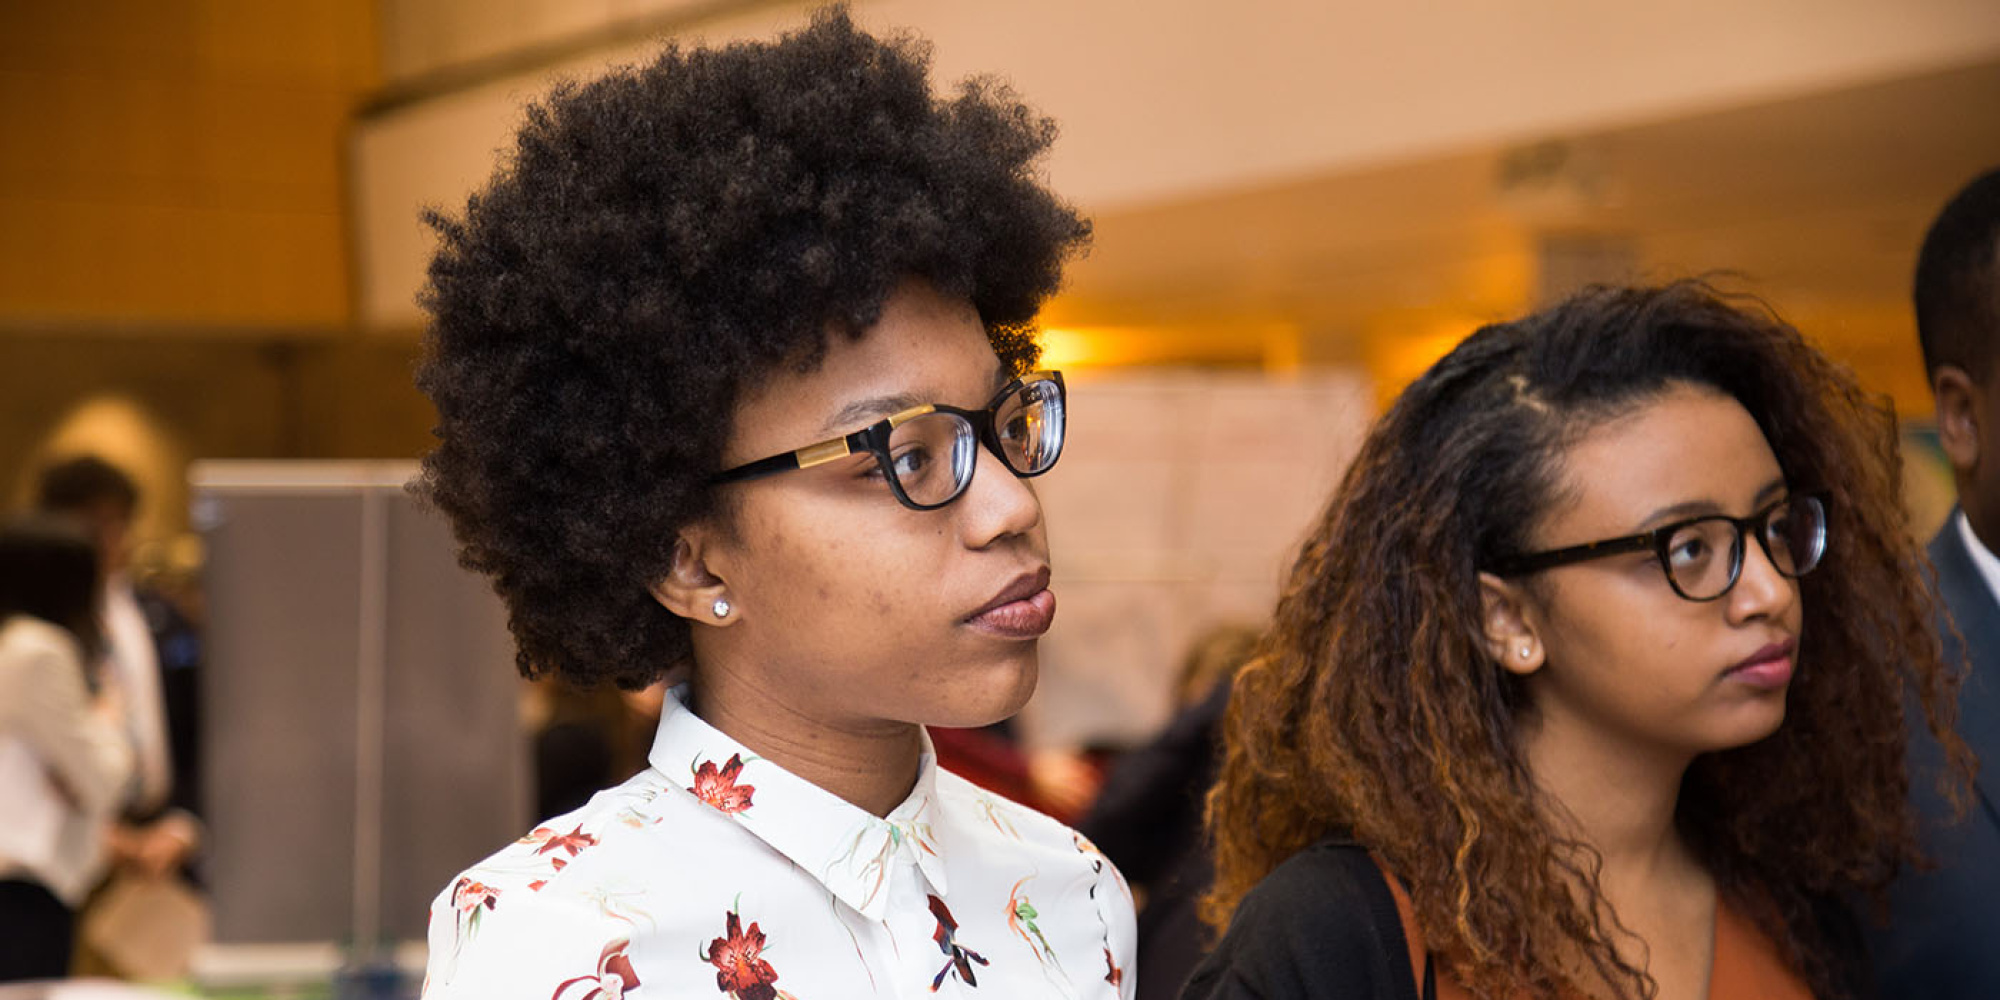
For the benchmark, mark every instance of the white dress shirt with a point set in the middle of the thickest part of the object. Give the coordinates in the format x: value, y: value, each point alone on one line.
x: 133, y: 664
x: 1982, y: 557
x: 715, y: 873
x: 63, y: 764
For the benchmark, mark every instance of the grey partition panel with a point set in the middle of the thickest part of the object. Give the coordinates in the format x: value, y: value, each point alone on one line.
x: 362, y: 741
x: 457, y: 788
x: 283, y: 587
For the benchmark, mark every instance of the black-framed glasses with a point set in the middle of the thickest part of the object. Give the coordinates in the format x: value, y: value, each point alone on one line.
x: 1703, y: 556
x: 928, y: 453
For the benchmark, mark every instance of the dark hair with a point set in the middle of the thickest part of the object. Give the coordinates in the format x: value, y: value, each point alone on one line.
x: 79, y: 484
x: 48, y: 569
x: 1957, y: 288
x: 659, y: 239
x: 1375, y: 708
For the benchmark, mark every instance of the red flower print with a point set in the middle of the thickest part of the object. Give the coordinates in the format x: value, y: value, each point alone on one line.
x: 719, y: 788
x: 958, y: 958
x: 1116, y: 976
x: 615, y: 977
x: 468, y: 895
x: 741, y: 971
x: 574, y: 841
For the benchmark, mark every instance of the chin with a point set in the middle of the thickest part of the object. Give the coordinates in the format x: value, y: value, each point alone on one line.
x: 1750, y: 729
x: 989, y: 693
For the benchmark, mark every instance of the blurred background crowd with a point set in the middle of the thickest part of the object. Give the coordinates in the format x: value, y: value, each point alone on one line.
x: 209, y: 260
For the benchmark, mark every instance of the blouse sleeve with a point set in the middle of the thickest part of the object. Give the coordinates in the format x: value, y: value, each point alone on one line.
x: 43, y: 702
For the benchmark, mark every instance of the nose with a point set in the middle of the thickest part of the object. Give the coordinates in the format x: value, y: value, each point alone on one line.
x: 997, y: 504
x: 1761, y: 591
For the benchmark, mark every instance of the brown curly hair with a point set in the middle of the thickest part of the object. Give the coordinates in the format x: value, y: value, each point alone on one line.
x: 1374, y: 708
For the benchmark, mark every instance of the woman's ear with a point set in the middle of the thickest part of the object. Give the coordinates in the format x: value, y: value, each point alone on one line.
x: 1511, y: 638
x: 1957, y: 397
x: 690, y: 589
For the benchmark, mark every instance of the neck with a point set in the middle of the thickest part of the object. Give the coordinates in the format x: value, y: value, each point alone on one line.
x: 873, y: 766
x: 1618, y: 799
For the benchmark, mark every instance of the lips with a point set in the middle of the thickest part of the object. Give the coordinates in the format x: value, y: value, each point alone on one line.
x: 1023, y: 609
x: 1767, y: 669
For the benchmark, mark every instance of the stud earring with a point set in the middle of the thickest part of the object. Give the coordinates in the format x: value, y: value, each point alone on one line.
x: 1527, y: 651
x: 721, y: 607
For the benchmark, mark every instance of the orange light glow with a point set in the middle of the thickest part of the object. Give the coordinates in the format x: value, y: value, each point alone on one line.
x: 1271, y: 346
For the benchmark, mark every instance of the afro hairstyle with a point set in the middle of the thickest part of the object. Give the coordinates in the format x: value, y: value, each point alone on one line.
x: 658, y: 239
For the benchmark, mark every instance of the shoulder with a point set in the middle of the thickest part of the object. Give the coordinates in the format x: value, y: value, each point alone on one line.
x: 1322, y: 924
x: 23, y: 635
x: 562, y: 889
x: 1003, y: 827
x: 1001, y: 842
x: 1333, y: 883
x: 30, y: 648
x: 966, y: 802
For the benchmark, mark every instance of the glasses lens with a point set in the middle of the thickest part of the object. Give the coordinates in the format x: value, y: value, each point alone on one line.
x: 1702, y: 557
x: 1030, y: 427
x: 1795, y: 535
x: 932, y: 456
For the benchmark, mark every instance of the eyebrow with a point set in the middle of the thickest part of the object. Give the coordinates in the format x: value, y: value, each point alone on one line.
x: 1706, y: 508
x: 867, y: 411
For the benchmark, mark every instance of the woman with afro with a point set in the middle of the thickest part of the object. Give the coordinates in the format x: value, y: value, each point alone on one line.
x: 736, y: 389
x: 1589, y: 681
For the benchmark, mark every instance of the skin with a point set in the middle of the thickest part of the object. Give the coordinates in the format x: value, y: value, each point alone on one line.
x: 1629, y: 682
x: 1968, y: 418
x: 850, y: 624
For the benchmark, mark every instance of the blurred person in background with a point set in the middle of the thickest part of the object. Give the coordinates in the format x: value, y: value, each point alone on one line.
x: 1147, y: 815
x: 735, y: 381
x: 1943, y: 936
x: 1587, y: 683
x: 65, y: 757
x: 591, y: 739
x: 156, y: 832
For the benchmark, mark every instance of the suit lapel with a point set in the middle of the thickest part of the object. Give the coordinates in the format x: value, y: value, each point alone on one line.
x: 1977, y: 615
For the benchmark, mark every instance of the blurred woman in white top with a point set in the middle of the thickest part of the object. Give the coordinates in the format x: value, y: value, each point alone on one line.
x: 64, y: 758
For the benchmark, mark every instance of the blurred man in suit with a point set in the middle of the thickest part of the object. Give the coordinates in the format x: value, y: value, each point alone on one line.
x: 1943, y: 939
x: 158, y: 831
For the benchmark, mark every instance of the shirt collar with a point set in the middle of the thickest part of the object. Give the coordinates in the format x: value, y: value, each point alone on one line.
x: 848, y: 849
x: 1982, y: 557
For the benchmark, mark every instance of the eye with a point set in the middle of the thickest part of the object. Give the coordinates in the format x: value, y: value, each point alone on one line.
x: 911, y: 462
x: 1779, y: 528
x: 1687, y: 550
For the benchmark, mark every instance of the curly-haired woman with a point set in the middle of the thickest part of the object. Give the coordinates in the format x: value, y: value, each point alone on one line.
x: 1588, y: 682
x: 736, y: 388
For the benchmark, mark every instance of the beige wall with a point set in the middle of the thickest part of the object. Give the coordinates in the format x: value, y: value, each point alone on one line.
x: 173, y: 241
x: 421, y: 38
x: 1172, y: 99
x: 176, y: 162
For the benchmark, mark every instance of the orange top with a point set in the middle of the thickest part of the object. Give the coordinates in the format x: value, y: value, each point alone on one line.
x: 1746, y: 963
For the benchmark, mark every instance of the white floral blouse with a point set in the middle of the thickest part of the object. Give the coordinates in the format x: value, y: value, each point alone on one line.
x: 716, y: 873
